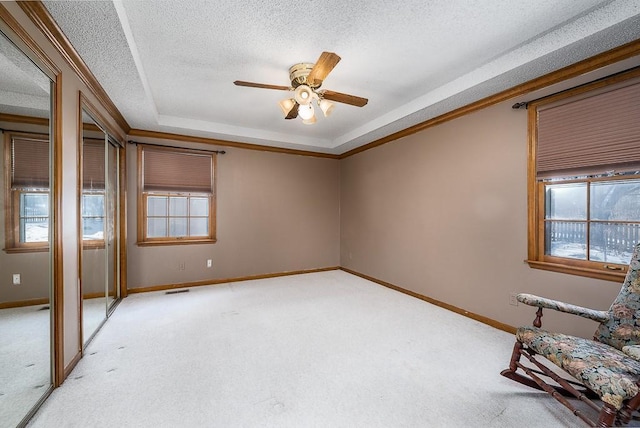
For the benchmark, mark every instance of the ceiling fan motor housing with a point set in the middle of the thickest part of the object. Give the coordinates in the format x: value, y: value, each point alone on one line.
x: 298, y: 75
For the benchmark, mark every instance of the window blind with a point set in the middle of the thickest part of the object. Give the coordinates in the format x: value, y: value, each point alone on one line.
x: 93, y: 164
x: 29, y: 162
x: 590, y: 134
x: 177, y: 171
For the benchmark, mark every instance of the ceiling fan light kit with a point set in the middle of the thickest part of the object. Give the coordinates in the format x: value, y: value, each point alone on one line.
x: 306, y: 78
x: 304, y: 95
x: 286, y: 105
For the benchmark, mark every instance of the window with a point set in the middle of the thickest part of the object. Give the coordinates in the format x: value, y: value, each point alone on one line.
x: 584, y: 178
x: 594, y: 219
x: 26, y: 161
x: 33, y: 217
x: 93, y: 216
x: 176, y: 196
x: 180, y: 216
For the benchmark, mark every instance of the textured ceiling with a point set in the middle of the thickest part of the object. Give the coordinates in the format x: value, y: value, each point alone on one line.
x: 25, y: 89
x: 170, y: 65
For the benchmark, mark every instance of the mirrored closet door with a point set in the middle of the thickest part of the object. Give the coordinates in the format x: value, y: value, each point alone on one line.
x: 100, y: 214
x: 112, y: 223
x: 26, y: 302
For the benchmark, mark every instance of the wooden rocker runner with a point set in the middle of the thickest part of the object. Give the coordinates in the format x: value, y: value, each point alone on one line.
x: 605, y: 371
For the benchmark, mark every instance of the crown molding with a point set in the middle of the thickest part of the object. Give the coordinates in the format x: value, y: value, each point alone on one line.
x: 41, y: 17
x: 16, y: 118
x: 620, y: 53
x: 225, y: 143
x: 37, y: 12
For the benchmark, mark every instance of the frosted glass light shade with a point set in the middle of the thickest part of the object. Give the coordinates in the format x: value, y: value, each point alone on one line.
x: 326, y: 106
x: 286, y: 105
x: 306, y: 111
x: 310, y: 121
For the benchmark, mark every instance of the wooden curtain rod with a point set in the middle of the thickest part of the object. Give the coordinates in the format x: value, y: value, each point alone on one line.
x: 631, y: 71
x: 20, y: 131
x: 220, y: 152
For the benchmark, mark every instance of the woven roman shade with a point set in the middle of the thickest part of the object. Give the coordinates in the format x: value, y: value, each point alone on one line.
x: 29, y: 162
x: 590, y: 134
x: 177, y: 171
x: 93, y: 164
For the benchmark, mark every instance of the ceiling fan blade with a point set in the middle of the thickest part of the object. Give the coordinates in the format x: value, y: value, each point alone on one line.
x: 261, y: 85
x: 293, y: 113
x: 344, y: 98
x: 323, y: 67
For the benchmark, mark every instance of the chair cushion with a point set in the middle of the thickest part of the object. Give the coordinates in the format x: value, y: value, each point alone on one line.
x: 605, y: 370
x: 633, y: 351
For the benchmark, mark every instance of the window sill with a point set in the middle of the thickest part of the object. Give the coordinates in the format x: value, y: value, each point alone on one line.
x: 18, y: 250
x: 92, y: 246
x: 175, y: 242
x: 602, y: 273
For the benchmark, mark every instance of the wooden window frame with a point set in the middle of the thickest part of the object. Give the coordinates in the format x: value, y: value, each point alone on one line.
x: 13, y: 241
x: 143, y: 195
x: 537, y: 258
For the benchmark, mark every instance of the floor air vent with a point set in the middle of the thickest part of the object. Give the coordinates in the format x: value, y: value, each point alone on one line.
x: 176, y: 291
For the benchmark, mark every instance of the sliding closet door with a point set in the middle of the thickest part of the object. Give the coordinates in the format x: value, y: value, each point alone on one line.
x: 100, y: 267
x: 27, y: 184
x: 112, y: 244
x: 93, y: 218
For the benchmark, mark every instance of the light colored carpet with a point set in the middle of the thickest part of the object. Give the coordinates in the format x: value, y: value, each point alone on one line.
x: 94, y: 312
x: 317, y: 350
x: 25, y: 365
x: 25, y: 355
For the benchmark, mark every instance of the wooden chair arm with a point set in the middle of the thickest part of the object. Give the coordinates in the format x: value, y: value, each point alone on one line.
x: 541, y: 302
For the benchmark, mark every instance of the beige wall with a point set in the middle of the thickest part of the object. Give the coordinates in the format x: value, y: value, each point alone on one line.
x: 93, y: 271
x: 275, y: 213
x: 444, y: 213
x: 32, y: 267
x: 34, y: 276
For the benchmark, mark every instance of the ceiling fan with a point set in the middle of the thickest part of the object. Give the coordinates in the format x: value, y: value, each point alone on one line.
x: 306, y: 79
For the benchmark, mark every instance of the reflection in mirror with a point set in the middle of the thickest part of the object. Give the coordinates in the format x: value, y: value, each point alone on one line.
x: 99, y: 208
x: 25, y: 262
x: 94, y: 303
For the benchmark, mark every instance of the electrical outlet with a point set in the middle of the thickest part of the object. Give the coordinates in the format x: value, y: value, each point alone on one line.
x: 209, y: 263
x: 16, y: 279
x: 181, y: 266
x: 513, y: 299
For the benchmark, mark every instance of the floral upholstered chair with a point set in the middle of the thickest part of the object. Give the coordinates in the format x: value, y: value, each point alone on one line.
x: 605, y: 370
